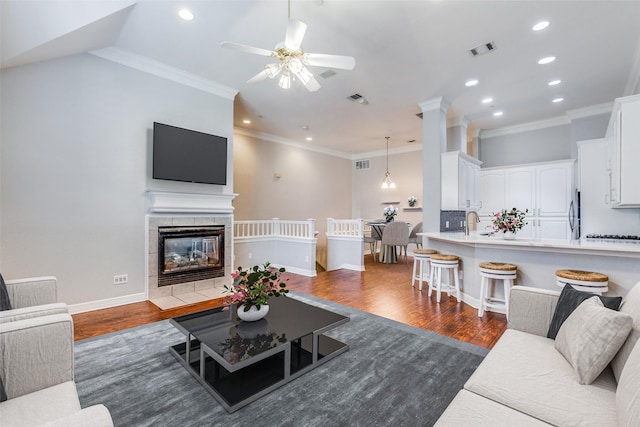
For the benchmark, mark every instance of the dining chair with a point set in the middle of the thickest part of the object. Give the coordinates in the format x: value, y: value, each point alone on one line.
x: 397, y: 234
x: 413, y: 236
x: 372, y: 239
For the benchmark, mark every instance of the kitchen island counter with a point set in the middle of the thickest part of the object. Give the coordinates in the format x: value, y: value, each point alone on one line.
x: 538, y: 260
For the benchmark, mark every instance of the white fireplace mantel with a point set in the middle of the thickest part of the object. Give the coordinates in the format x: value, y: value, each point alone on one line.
x: 169, y: 202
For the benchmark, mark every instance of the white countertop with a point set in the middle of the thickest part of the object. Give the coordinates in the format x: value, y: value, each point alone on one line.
x: 474, y: 238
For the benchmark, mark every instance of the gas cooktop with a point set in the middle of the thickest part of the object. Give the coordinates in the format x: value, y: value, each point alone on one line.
x: 613, y: 237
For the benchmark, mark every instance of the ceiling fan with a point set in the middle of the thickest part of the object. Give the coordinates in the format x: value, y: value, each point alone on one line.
x: 293, y: 61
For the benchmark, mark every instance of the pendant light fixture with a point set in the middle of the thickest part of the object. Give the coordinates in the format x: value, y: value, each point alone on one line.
x: 387, y: 182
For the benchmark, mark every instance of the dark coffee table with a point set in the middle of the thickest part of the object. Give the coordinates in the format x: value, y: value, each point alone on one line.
x: 239, y: 362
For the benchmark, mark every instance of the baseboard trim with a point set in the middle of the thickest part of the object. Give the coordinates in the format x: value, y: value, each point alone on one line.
x: 106, y: 303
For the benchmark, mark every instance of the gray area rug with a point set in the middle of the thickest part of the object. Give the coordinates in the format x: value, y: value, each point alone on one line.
x: 392, y: 375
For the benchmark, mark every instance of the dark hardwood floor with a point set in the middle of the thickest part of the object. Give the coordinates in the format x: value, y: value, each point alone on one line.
x: 383, y: 289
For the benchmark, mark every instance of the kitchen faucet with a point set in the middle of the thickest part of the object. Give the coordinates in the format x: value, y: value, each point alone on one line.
x: 466, y: 221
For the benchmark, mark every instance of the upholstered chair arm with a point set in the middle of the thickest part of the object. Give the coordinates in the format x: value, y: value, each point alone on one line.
x: 36, y: 353
x: 35, y: 311
x: 531, y: 309
x: 93, y: 416
x: 32, y: 291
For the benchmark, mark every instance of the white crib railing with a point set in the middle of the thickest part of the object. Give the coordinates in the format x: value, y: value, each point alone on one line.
x: 345, y: 227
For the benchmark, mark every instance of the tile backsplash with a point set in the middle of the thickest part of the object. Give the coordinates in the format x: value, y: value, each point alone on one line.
x: 452, y: 220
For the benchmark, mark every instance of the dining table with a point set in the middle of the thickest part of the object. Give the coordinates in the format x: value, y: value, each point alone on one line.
x: 388, y: 254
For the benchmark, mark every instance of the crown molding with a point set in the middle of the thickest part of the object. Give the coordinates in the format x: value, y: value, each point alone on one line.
x: 434, y: 104
x: 383, y: 153
x: 162, y: 70
x: 633, y: 84
x: 458, y: 121
x: 279, y: 140
x: 594, y: 110
x: 525, y: 127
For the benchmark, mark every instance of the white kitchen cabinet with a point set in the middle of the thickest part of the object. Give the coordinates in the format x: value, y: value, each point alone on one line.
x: 545, y: 189
x: 623, y: 152
x: 492, y: 193
x: 460, y: 176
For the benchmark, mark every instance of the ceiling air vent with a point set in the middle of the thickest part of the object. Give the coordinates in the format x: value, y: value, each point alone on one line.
x: 326, y: 74
x: 356, y: 97
x: 362, y: 164
x: 482, y: 49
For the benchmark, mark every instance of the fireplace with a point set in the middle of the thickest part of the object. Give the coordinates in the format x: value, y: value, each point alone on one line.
x: 190, y: 253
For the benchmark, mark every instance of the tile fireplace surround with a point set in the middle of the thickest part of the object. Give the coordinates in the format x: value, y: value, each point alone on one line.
x: 179, y: 210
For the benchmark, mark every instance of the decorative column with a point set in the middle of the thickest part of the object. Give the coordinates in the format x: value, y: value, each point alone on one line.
x: 434, y: 142
x: 457, y: 135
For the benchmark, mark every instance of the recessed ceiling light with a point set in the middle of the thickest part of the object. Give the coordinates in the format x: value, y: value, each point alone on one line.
x: 309, y: 138
x: 557, y: 100
x: 554, y: 82
x: 487, y: 100
x: 498, y: 113
x: 547, y: 60
x: 246, y: 121
x: 541, y: 25
x: 185, y: 14
x: 471, y: 82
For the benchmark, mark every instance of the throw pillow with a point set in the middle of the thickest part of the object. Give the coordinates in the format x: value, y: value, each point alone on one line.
x: 5, y: 303
x: 591, y: 336
x: 571, y: 298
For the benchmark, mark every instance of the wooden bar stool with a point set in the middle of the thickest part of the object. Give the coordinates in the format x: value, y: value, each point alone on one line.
x: 421, y: 259
x: 495, y: 271
x: 441, y: 262
x: 586, y: 281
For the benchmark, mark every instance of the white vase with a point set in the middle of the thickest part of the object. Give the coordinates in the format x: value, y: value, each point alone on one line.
x: 253, y: 313
x: 508, y: 235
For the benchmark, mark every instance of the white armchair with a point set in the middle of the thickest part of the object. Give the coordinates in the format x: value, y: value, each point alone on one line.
x: 33, y: 297
x: 37, y: 368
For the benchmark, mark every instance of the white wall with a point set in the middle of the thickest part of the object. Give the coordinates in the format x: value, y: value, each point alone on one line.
x: 76, y: 143
x: 540, y: 145
x: 312, y: 185
x: 368, y: 196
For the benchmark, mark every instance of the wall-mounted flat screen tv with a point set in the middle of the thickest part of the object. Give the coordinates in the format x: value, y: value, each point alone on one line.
x: 189, y: 156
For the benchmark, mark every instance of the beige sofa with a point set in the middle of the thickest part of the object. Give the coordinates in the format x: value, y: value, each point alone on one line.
x: 37, y: 361
x: 526, y: 381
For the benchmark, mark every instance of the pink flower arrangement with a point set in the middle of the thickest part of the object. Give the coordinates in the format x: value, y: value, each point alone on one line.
x: 255, y: 286
x: 509, y: 220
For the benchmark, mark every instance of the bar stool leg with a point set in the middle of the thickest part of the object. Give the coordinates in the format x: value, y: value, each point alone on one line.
x: 456, y: 279
x: 483, y: 295
x: 438, y: 284
x: 413, y: 275
x: 507, y: 283
x: 432, y: 277
x: 422, y: 267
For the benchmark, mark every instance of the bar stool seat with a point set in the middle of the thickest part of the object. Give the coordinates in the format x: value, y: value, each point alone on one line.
x: 495, y: 271
x: 447, y: 262
x: 586, y: 281
x: 421, y: 257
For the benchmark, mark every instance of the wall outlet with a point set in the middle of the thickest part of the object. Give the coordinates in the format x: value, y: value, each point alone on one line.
x: 250, y: 255
x: 120, y: 279
x: 306, y: 259
x: 446, y: 224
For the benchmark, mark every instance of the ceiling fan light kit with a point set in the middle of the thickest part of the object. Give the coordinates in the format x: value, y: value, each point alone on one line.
x: 293, y: 61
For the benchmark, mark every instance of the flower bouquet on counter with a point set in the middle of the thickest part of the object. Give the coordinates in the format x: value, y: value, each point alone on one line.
x: 511, y: 220
x: 412, y: 200
x: 390, y: 212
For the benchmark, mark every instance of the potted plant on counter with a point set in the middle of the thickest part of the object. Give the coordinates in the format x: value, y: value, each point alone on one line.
x: 252, y: 288
x: 509, y: 222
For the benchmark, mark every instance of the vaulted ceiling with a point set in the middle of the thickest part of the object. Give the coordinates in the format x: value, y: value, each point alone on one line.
x: 406, y: 52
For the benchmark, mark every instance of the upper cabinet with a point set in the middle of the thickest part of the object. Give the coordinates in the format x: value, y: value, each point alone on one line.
x: 460, y: 176
x: 545, y: 189
x: 623, y: 152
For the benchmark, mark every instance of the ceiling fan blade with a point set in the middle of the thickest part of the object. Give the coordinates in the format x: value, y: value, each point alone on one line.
x: 295, y: 34
x: 247, y: 49
x: 312, y: 85
x: 331, y: 61
x: 262, y: 75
